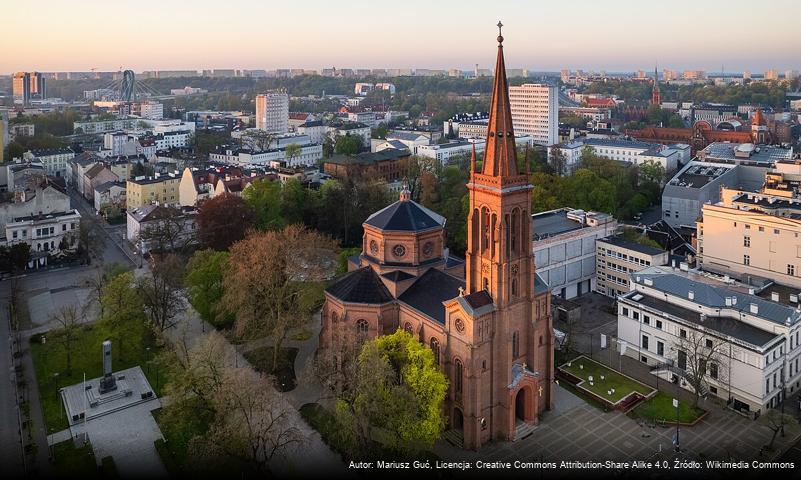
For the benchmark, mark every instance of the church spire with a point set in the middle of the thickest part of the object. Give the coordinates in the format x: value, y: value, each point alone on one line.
x: 500, y: 158
x: 656, y: 97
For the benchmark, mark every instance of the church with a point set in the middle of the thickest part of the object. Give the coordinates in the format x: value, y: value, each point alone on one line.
x: 487, y: 318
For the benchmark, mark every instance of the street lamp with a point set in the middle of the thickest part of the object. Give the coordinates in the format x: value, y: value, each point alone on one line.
x: 676, y: 404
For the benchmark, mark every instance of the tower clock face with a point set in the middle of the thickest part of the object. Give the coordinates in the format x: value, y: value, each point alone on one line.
x: 373, y: 247
x: 428, y: 249
x: 399, y: 250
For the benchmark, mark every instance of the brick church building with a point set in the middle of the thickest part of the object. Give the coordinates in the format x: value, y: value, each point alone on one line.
x: 487, y: 318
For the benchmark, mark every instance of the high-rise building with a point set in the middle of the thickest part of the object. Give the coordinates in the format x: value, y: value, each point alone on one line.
x: 791, y: 74
x: 272, y: 112
x: 29, y: 86
x: 771, y: 74
x: 535, y: 112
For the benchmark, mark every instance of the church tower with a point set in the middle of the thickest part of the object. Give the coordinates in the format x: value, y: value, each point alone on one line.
x: 656, y: 96
x: 499, y: 264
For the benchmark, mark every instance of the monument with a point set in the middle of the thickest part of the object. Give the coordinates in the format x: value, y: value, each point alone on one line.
x: 108, y: 383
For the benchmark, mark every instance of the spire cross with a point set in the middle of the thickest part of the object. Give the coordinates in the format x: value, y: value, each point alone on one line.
x: 500, y: 35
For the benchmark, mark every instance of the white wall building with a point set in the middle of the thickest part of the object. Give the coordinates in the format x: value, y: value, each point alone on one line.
x: 750, y: 343
x: 54, y: 160
x: 563, y: 242
x: 44, y: 232
x: 450, y: 152
x: 629, y: 151
x: 272, y: 112
x: 535, y: 112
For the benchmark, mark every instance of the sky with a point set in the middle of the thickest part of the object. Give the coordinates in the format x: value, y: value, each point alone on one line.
x: 614, y: 35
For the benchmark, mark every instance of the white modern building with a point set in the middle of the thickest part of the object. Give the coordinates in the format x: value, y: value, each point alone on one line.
x: 743, y: 343
x: 628, y: 151
x: 563, y: 242
x: 450, y: 152
x: 272, y: 112
x: 309, y: 154
x: 535, y: 112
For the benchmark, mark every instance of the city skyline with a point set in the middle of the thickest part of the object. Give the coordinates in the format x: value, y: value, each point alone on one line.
x: 546, y: 38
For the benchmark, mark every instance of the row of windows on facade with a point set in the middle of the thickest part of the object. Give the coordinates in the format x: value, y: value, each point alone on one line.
x: 790, y: 268
x: 708, y: 343
x: 776, y: 231
x: 626, y: 257
x: 40, y: 232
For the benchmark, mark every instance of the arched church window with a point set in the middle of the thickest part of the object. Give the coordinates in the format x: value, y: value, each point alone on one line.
x: 485, y: 229
x: 515, y: 226
x: 515, y: 345
x: 514, y: 286
x: 457, y: 375
x: 435, y: 349
x: 362, y: 327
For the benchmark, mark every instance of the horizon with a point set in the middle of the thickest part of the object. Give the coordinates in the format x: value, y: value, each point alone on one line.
x: 626, y: 43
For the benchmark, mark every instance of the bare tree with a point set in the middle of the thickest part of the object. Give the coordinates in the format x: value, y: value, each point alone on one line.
x: 558, y: 160
x: 197, y: 370
x: 775, y: 421
x: 700, y: 357
x: 257, y: 140
x: 161, y: 291
x: 252, y: 421
x: 264, y: 277
x: 168, y: 232
x: 69, y: 318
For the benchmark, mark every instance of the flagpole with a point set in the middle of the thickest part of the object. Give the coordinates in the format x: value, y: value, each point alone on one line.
x: 85, y: 408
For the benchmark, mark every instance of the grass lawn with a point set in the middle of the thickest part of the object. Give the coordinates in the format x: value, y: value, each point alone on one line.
x: 612, y: 380
x: 75, y: 462
x: 302, y: 335
x: 660, y: 409
x: 50, y: 361
x: 262, y: 361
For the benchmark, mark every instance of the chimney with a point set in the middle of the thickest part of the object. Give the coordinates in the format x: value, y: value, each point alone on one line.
x: 774, y: 296
x: 729, y: 301
x: 691, y: 295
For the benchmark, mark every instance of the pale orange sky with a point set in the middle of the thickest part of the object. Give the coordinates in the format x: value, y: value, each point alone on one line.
x: 614, y: 35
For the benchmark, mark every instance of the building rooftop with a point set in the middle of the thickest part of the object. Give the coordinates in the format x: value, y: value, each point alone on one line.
x: 714, y: 296
x: 405, y: 216
x: 698, y: 174
x: 726, y: 152
x: 368, y: 158
x: 428, y: 293
x: 619, y: 241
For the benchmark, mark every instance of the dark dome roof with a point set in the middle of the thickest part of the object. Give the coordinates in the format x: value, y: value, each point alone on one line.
x: 405, y: 215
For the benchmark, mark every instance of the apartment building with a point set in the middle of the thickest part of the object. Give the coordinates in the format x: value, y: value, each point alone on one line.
x: 535, y: 112
x: 617, y: 257
x: 743, y: 343
x: 44, y: 232
x: 54, y: 160
x: 272, y: 112
x: 161, y: 189
x: 756, y: 235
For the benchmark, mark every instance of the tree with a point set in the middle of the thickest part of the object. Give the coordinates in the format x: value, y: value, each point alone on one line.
x: 161, y: 291
x: 14, y: 257
x: 264, y: 275
x: 558, y: 160
x: 204, y: 284
x: 120, y: 302
x: 399, y: 388
x: 90, y: 241
x: 775, y: 420
x: 223, y: 220
x: 167, y: 232
x: 252, y: 422
x: 264, y: 199
x: 652, y: 171
x: 698, y: 356
x: 69, y: 319
x: 292, y: 151
x: 257, y: 140
x: 97, y: 281
x: 348, y: 144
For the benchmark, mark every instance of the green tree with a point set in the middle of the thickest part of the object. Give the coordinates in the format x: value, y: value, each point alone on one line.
x: 14, y: 258
x: 399, y: 390
x: 652, y: 171
x: 348, y: 145
x: 204, y: 285
x: 264, y: 199
x: 120, y: 302
x: 292, y: 151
